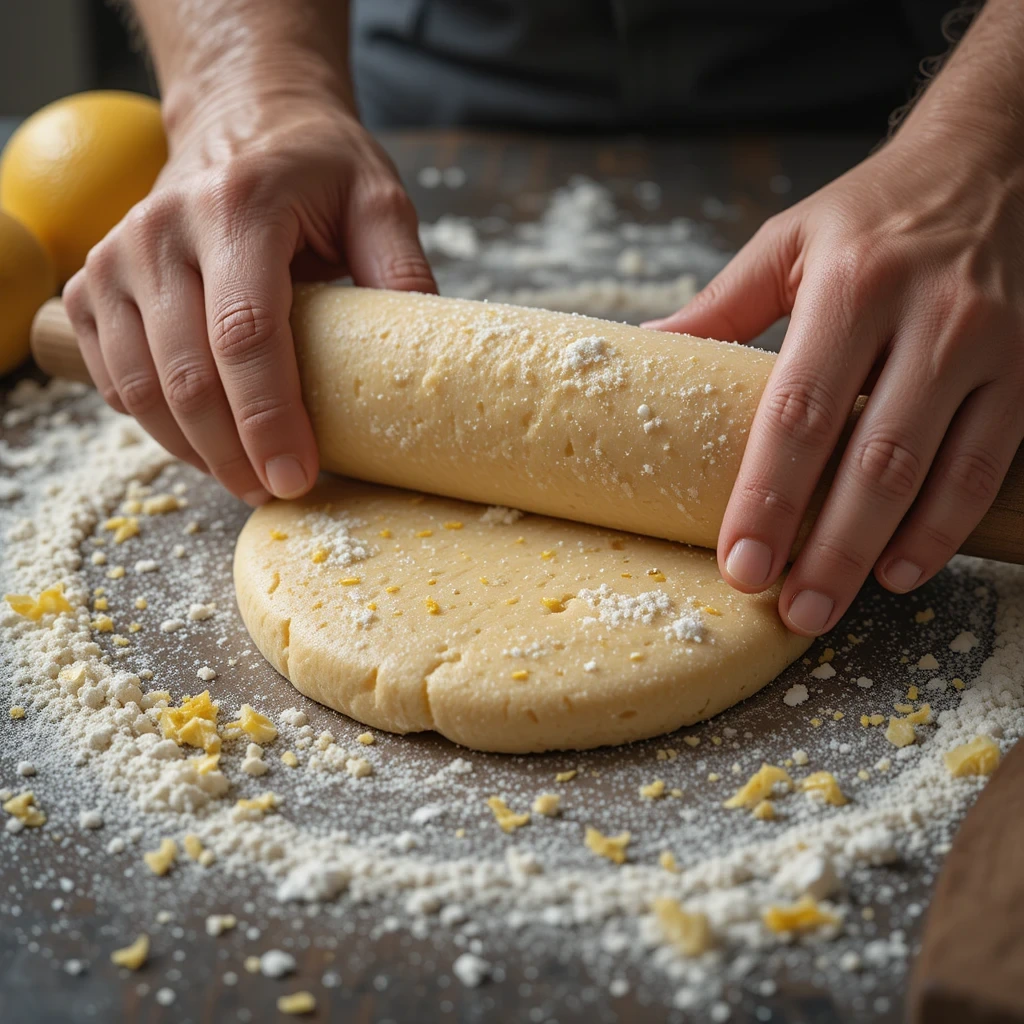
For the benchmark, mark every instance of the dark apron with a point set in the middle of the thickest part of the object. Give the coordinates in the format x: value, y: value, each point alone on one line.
x: 615, y: 65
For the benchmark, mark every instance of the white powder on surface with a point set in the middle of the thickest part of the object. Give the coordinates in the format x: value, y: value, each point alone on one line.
x: 614, y: 609
x: 329, y: 534
x: 795, y: 695
x: 498, y: 515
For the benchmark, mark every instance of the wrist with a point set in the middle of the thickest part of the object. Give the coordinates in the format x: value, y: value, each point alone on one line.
x: 245, y: 92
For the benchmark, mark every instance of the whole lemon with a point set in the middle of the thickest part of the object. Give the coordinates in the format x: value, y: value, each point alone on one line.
x: 27, y: 280
x: 76, y: 167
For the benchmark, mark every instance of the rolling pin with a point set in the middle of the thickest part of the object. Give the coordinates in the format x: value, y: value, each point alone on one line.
x: 550, y: 413
x: 971, y: 964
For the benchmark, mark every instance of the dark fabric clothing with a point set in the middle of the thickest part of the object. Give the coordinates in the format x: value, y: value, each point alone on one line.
x: 621, y: 65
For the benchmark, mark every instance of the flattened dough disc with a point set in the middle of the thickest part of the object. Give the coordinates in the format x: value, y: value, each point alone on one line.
x: 408, y: 612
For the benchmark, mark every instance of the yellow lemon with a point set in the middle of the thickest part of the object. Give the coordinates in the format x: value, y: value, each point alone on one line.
x: 76, y: 167
x: 27, y: 280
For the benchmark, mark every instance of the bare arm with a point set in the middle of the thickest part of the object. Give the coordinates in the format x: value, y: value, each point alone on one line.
x: 182, y: 310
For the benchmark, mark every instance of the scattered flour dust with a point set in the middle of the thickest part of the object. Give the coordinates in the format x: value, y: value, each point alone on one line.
x: 412, y: 843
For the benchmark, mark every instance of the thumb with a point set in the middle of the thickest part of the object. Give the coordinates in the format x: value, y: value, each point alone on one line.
x: 382, y: 245
x: 755, y: 289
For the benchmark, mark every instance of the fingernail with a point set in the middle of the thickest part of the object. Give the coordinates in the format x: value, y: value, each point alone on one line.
x: 256, y: 498
x: 286, y: 476
x: 902, y: 575
x: 810, y: 611
x: 749, y: 562
x: 653, y: 325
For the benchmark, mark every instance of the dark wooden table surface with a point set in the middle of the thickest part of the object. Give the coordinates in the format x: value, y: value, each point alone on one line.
x: 754, y: 178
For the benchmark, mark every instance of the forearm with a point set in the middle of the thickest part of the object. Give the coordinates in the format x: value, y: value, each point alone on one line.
x: 980, y: 91
x: 224, y: 54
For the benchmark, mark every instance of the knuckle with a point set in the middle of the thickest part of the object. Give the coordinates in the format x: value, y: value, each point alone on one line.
x: 74, y: 296
x: 101, y: 262
x: 234, y: 471
x: 148, y: 224
x: 113, y: 399
x: 240, y: 330
x: 889, y: 468
x: 256, y: 415
x: 762, y: 496
x: 841, y: 557
x: 804, y: 410
x: 189, y: 387
x: 140, y: 393
x: 975, y: 474
x: 408, y: 272
x: 936, y: 538
x: 861, y: 269
x: 229, y: 188
x: 385, y: 199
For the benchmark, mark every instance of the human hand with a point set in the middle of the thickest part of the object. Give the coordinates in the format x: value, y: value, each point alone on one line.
x: 903, y: 279
x: 182, y: 310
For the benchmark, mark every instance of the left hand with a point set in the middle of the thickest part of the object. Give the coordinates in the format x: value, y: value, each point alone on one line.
x: 904, y: 279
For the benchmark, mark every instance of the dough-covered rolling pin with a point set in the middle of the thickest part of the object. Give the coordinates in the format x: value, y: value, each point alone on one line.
x: 551, y: 413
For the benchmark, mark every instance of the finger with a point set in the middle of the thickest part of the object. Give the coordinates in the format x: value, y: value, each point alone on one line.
x: 830, y: 347
x: 965, y: 478
x: 382, y: 245
x: 122, y: 340
x: 78, y: 306
x: 248, y: 301
x: 879, y: 476
x: 174, y: 318
x: 755, y: 289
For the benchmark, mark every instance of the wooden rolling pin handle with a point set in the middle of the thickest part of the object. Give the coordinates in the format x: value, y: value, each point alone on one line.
x: 1000, y: 535
x: 54, y: 346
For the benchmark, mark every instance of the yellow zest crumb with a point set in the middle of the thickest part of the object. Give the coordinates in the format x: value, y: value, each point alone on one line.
x: 764, y: 810
x: 826, y: 656
x: 979, y: 757
x: 677, y: 793
x: 714, y: 777
x: 431, y: 583
x: 120, y: 641
x: 692, y: 741
x: 566, y: 776
x: 653, y: 790
x: 711, y: 611
x: 547, y: 804
x: 103, y: 624
x: 124, y: 528
x: 258, y: 727
x: 161, y: 860
x: 17, y: 712
x: 297, y: 1003
x: 816, y: 723
x: 460, y: 833
x: 259, y: 804
x: 134, y: 956
x: 689, y: 933
x: 252, y: 964
x: 803, y: 916
x: 837, y: 716
x: 900, y: 732
x: 636, y: 656
x: 392, y: 590
x: 193, y: 846
x: 506, y: 818
x: 320, y: 555
x: 116, y: 573
x: 957, y: 683
x: 100, y: 604
x: 656, y: 576
x: 351, y: 581
x: 160, y: 504
x: 716, y: 740
x: 863, y: 774
x: 667, y: 861
x: 433, y: 608
x: 912, y: 693
x: 278, y: 535
x: 611, y: 847
x: 548, y: 555
x: 626, y: 575
x: 453, y: 525
x: 922, y: 716
x: 926, y: 616
x: 194, y: 723
x: 903, y: 709
x: 366, y: 738
x: 385, y: 534
x: 290, y: 759
x: 50, y: 601
x: 825, y: 785
x: 759, y: 787
x: 520, y: 674
x: 24, y: 808
x: 206, y: 764
x: 867, y: 720
x: 134, y: 627
x: 424, y: 533
x: 141, y: 604
x: 868, y: 914
x: 512, y: 600
x: 554, y: 604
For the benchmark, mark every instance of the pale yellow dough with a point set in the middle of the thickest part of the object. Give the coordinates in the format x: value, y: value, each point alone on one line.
x: 488, y: 638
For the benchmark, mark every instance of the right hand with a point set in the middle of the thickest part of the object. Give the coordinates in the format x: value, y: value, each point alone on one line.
x: 182, y: 310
